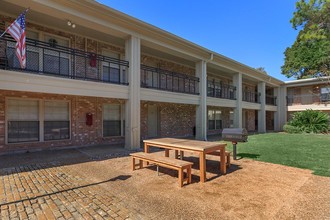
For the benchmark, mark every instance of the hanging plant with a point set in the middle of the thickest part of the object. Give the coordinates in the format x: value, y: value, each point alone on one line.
x: 52, y: 42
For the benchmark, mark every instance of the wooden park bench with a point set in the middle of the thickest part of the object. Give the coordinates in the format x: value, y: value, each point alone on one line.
x: 166, y: 162
x: 217, y: 153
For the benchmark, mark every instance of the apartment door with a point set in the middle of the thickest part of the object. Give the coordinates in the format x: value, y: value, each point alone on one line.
x: 153, y: 121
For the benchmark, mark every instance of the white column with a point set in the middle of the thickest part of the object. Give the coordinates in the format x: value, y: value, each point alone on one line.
x: 132, y: 116
x: 201, y: 111
x: 237, y: 81
x: 262, y: 111
x: 281, y: 114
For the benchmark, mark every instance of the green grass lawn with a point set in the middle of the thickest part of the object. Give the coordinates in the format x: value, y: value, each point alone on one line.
x: 308, y: 151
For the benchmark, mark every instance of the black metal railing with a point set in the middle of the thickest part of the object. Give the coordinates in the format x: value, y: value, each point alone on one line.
x: 308, y: 99
x: 48, y: 58
x: 271, y: 100
x: 156, y: 78
x: 249, y: 96
x: 220, y: 90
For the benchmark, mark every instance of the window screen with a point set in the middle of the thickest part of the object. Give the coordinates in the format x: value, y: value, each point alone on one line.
x: 111, y: 120
x: 56, y: 120
x: 23, y: 120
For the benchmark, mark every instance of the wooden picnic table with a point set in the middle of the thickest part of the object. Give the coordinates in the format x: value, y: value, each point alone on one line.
x: 194, y: 146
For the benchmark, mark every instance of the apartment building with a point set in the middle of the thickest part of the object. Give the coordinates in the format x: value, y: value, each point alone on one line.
x: 305, y: 94
x: 97, y: 76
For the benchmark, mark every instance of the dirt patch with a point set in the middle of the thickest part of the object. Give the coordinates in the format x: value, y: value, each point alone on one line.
x: 250, y: 190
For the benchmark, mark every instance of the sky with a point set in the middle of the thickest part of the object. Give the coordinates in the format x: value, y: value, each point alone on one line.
x: 255, y: 33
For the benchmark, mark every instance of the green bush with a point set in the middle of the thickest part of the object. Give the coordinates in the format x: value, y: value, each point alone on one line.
x: 310, y: 121
x: 291, y: 129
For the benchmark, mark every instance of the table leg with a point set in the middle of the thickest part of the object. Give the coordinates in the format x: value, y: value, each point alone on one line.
x: 202, y: 167
x: 167, y: 152
x: 146, y: 150
x: 223, y: 168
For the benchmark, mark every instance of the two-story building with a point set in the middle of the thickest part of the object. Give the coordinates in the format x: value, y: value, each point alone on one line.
x: 305, y: 94
x: 97, y: 76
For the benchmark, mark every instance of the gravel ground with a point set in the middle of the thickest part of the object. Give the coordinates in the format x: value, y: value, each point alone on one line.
x: 250, y: 190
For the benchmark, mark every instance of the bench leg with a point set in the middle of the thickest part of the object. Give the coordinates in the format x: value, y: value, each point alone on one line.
x: 180, y: 177
x: 176, y: 154
x: 133, y: 163
x: 141, y: 164
x: 189, y: 174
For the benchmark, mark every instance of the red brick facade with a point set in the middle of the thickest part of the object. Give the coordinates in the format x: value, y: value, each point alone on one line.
x: 81, y: 134
x: 175, y: 120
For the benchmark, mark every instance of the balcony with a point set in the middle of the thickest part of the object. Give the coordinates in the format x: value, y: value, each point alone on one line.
x: 249, y: 96
x: 46, y: 58
x: 155, y: 78
x: 220, y: 90
x: 308, y: 99
x: 271, y: 100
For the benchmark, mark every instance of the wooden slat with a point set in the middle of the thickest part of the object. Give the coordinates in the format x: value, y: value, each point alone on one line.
x: 161, y: 159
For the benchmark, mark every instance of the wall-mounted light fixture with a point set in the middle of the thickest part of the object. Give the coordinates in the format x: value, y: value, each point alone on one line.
x: 69, y: 23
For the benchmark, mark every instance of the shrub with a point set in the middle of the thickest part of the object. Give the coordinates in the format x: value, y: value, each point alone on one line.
x: 310, y: 121
x: 291, y: 129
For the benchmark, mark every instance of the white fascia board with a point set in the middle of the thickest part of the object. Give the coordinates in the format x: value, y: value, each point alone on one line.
x: 320, y: 107
x: 272, y: 108
x: 250, y: 105
x: 217, y: 102
x: 169, y: 97
x: 18, y: 81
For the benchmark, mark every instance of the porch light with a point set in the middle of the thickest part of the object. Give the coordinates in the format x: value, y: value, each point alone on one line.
x: 69, y: 23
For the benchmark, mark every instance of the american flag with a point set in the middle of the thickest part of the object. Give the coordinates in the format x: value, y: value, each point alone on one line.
x: 17, y: 31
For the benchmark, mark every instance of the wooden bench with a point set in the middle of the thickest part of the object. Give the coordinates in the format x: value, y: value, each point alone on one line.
x: 217, y: 153
x: 167, y: 162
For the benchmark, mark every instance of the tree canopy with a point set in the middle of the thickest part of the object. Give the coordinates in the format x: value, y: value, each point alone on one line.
x: 309, y: 56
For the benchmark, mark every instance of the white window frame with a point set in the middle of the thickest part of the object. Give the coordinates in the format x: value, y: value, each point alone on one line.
x: 215, y: 119
x: 40, y: 117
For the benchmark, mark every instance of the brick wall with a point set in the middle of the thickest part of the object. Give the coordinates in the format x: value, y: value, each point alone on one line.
x: 250, y: 118
x: 175, y: 120
x: 269, y: 120
x: 81, y: 134
x: 167, y: 65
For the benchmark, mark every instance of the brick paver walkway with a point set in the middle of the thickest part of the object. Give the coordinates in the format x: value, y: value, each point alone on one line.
x: 51, y: 191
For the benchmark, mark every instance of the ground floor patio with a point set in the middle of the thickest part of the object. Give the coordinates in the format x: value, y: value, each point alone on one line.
x: 97, y: 183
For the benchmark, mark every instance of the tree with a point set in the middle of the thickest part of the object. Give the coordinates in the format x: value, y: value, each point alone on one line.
x: 262, y: 69
x: 309, y: 56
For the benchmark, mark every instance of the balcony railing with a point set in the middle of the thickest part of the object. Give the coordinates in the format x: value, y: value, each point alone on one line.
x: 220, y: 90
x: 54, y: 60
x: 271, y: 100
x: 156, y: 78
x: 308, y: 99
x: 249, y: 96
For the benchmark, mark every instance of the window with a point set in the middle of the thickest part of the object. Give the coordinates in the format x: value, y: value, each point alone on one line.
x: 231, y: 119
x: 56, y: 120
x: 325, y: 94
x: 214, y: 118
x: 56, y: 62
x: 113, y: 121
x: 110, y: 69
x: 23, y: 120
